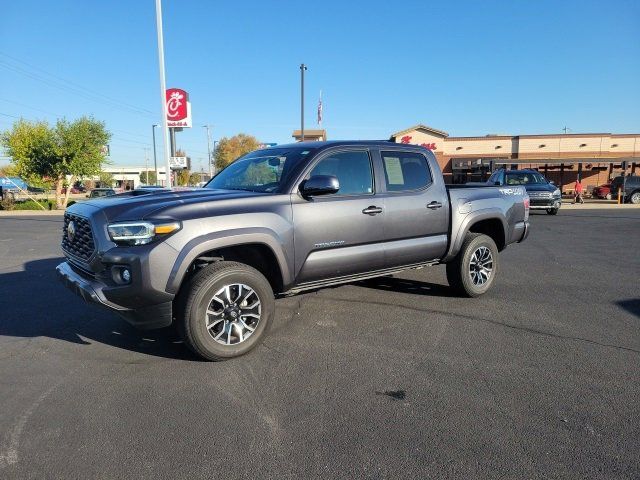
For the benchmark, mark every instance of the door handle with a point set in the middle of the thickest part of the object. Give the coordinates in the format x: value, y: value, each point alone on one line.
x: 433, y: 205
x: 372, y: 210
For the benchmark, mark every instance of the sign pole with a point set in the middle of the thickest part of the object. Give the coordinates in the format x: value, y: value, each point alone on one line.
x: 163, y: 94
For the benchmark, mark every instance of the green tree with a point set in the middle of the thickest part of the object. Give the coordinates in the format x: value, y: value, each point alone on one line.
x: 63, y: 153
x: 230, y: 149
x: 148, y: 177
x: 194, y: 178
x: 106, y: 179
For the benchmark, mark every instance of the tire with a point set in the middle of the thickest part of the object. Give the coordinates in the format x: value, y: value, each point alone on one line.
x: 552, y: 211
x: 635, y: 198
x: 203, y: 317
x: 459, y: 274
x: 608, y: 196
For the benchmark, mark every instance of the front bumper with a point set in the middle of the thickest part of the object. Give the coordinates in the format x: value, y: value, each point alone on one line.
x: 544, y: 204
x: 155, y: 315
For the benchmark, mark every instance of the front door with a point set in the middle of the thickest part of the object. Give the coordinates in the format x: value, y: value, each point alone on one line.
x: 416, y: 210
x: 340, y: 234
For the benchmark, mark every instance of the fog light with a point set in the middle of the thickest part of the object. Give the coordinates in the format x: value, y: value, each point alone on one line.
x: 126, y: 275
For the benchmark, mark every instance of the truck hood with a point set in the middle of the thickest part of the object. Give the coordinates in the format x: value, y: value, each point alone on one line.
x: 140, y: 205
x: 540, y: 187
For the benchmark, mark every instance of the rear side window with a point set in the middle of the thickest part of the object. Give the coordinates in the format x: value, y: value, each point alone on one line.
x: 405, y: 171
x: 352, y: 169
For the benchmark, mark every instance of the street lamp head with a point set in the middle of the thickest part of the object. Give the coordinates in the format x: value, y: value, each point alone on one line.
x: 155, y: 125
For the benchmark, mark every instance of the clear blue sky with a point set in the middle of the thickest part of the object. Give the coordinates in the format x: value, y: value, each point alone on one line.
x: 469, y: 68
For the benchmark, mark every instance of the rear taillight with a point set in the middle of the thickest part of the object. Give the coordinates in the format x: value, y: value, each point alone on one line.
x: 527, y: 205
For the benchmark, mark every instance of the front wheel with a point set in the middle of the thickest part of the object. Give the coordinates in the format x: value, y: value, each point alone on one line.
x: 635, y: 198
x: 474, y: 269
x: 552, y: 211
x: 608, y: 196
x: 226, y: 309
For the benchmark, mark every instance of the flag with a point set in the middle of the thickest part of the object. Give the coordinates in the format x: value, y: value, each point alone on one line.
x: 320, y: 109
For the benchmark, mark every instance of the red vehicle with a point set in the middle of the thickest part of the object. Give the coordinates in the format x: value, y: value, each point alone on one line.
x: 603, y: 191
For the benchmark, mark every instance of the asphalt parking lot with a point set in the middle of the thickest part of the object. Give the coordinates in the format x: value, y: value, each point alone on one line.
x: 390, y: 378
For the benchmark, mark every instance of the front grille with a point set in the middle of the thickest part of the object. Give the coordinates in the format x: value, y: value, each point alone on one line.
x: 80, y: 245
x: 540, y: 194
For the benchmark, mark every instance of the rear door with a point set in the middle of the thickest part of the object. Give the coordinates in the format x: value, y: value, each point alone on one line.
x: 416, y: 209
x: 339, y: 234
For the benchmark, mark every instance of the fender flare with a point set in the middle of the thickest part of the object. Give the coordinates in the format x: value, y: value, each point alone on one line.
x: 227, y: 238
x: 471, y: 219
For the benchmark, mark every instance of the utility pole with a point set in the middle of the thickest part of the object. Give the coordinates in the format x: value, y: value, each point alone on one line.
x: 163, y: 93
x: 155, y: 159
x: 209, y: 150
x: 146, y: 164
x: 566, y: 129
x: 303, y: 67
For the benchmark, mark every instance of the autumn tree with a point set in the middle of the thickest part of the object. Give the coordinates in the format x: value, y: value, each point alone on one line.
x: 64, y: 152
x: 230, y: 149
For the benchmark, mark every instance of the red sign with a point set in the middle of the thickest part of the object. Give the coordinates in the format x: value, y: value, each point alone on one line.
x: 178, y: 108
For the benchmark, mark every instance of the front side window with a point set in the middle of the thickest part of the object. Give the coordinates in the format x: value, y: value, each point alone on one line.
x: 265, y: 170
x: 352, y: 169
x: 405, y: 171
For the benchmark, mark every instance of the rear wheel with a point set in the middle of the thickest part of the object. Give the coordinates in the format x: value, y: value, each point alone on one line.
x: 552, y: 211
x: 608, y: 196
x: 635, y: 198
x: 227, y: 307
x: 474, y: 269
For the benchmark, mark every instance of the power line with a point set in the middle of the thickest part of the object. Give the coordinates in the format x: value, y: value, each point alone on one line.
x: 75, y: 89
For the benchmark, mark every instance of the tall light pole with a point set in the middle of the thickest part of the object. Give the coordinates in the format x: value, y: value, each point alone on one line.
x: 155, y: 159
x: 163, y: 90
x: 303, y: 67
x: 209, y: 151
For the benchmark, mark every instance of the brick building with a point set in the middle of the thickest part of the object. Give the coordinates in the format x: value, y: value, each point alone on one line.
x: 595, y: 157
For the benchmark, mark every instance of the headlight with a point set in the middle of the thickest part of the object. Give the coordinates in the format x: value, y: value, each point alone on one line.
x: 139, y: 233
x: 556, y: 192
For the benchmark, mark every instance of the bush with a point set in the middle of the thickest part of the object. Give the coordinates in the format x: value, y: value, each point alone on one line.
x: 32, y: 205
x: 7, y: 203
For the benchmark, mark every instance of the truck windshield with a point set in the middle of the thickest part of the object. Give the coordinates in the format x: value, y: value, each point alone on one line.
x: 525, y: 178
x: 263, y: 170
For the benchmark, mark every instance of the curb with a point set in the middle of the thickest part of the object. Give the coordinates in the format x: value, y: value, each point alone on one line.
x: 22, y: 213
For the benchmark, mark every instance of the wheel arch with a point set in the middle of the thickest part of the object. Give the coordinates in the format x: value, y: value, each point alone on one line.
x: 256, y: 248
x: 489, y: 222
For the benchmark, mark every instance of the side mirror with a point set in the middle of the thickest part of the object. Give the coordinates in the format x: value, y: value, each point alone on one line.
x: 319, y: 185
x: 552, y: 182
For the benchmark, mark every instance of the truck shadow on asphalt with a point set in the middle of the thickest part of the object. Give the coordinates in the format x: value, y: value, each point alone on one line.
x: 403, y: 285
x: 35, y: 304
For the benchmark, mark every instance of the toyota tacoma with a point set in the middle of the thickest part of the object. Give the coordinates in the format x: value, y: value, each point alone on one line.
x: 276, y: 222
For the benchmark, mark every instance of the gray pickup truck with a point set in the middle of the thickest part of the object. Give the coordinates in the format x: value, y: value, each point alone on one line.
x: 276, y: 222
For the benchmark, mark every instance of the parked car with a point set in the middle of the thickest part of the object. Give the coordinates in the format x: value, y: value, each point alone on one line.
x: 293, y: 218
x: 101, y: 192
x: 630, y: 186
x: 603, y: 191
x: 544, y: 195
x: 75, y: 189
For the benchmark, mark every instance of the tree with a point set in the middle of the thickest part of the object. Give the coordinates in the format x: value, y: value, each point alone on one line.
x: 230, y: 149
x: 194, y: 178
x: 183, y: 177
x: 63, y: 152
x: 106, y: 179
x: 148, y: 177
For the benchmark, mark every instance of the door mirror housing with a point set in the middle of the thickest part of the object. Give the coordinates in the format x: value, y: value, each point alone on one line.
x: 319, y: 185
x: 552, y: 182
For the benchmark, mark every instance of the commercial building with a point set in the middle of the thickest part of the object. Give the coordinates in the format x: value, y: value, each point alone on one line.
x: 594, y: 157
x: 128, y: 177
